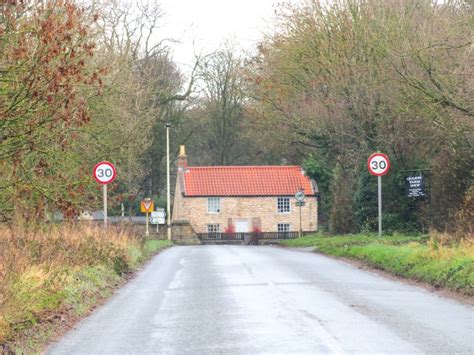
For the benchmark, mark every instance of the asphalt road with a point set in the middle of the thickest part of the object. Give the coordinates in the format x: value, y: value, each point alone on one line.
x: 237, y: 299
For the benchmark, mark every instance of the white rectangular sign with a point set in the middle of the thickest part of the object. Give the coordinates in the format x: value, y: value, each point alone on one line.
x: 157, y: 220
x: 158, y: 214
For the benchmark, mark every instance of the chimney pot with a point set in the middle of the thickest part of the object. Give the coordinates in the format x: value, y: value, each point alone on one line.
x: 182, y: 158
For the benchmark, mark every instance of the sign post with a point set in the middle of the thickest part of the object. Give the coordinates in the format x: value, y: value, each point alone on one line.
x: 104, y: 198
x: 415, y: 186
x: 300, y: 198
x: 418, y: 187
x: 378, y: 165
x: 104, y: 173
x: 379, y: 189
x: 158, y: 217
x: 146, y: 206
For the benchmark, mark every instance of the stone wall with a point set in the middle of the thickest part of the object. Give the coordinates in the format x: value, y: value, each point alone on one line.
x: 183, y: 233
x: 260, y: 212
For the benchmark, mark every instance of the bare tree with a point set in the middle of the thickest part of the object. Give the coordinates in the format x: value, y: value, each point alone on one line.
x: 223, y: 103
x: 143, y: 87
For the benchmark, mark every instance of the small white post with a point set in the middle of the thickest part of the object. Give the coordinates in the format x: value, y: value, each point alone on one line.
x: 147, y: 232
x: 104, y: 189
x: 379, y: 180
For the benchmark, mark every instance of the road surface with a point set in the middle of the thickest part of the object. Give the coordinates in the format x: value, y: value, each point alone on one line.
x: 240, y: 299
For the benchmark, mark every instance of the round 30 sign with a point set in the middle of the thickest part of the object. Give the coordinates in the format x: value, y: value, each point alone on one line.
x: 300, y: 196
x: 378, y: 164
x: 104, y: 172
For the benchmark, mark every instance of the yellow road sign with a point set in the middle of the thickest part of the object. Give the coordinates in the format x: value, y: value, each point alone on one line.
x: 147, y: 205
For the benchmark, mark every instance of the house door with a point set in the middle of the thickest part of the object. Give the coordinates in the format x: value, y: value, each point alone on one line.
x: 242, y: 226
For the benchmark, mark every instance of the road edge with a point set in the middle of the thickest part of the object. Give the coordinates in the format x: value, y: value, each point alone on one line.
x: 438, y: 291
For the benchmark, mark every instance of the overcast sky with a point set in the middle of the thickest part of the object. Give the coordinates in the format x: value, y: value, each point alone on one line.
x: 202, y: 25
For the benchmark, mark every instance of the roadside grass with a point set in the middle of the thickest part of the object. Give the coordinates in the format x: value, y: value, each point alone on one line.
x: 425, y: 258
x: 50, y: 273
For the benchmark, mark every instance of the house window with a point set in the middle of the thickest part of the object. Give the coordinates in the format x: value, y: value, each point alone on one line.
x: 213, y: 204
x: 283, y: 205
x: 283, y: 227
x: 213, y: 229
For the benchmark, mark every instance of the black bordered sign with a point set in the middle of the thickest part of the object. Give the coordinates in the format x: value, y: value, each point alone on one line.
x: 415, y: 186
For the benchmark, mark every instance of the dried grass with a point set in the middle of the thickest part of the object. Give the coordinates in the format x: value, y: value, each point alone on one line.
x: 448, y: 246
x: 34, y: 262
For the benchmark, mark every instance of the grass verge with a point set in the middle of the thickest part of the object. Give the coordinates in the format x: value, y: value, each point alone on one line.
x: 51, y: 276
x: 422, y: 258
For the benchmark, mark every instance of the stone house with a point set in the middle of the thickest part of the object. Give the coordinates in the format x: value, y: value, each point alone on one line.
x: 217, y: 199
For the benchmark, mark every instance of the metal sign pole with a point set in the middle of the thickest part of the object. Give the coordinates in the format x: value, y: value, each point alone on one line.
x: 379, y: 180
x: 147, y: 233
x: 104, y: 189
x: 378, y: 165
x: 300, y: 203
x: 104, y: 173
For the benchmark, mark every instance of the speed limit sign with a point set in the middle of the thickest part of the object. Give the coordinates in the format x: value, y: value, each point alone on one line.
x: 104, y: 172
x: 378, y: 164
x: 300, y: 196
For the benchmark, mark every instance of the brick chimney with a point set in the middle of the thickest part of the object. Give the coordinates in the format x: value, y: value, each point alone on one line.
x: 182, y: 158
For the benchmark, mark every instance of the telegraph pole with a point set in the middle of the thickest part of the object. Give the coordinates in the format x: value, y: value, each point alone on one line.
x: 168, y: 185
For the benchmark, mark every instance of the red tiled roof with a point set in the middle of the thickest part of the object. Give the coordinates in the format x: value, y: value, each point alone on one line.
x: 245, y: 181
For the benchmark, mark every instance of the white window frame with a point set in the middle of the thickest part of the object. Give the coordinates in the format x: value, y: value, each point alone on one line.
x: 283, y: 224
x: 278, y: 205
x: 213, y: 228
x: 214, y: 202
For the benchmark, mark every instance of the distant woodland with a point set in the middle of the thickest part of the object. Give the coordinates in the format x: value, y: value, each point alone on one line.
x: 329, y: 85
